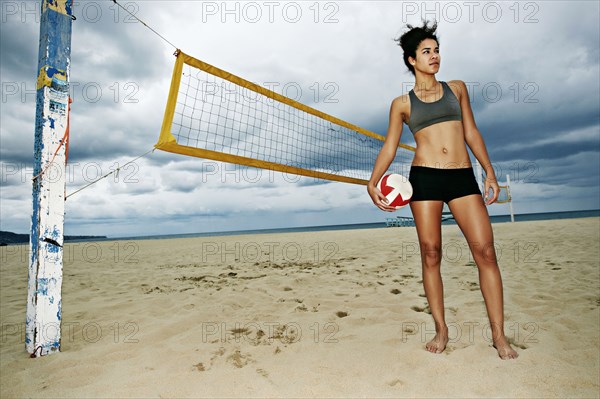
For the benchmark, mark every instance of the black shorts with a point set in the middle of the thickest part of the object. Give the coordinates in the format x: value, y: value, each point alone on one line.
x: 433, y: 184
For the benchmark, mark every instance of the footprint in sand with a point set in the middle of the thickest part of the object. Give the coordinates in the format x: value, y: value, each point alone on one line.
x: 472, y: 286
x: 518, y: 345
x: 200, y: 367
x: 396, y: 382
x: 409, y: 329
x: 239, y: 360
x: 424, y: 309
x: 301, y: 308
x: 263, y: 373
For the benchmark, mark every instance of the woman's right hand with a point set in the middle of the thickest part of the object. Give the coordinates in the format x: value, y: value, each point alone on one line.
x: 379, y: 199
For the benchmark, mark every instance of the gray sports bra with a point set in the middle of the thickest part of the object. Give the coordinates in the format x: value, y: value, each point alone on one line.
x: 424, y: 114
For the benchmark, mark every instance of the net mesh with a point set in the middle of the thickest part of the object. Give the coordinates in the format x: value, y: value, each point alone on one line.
x: 216, y: 115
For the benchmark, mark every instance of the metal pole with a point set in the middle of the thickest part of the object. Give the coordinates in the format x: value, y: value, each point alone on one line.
x: 479, y: 176
x: 512, y: 215
x: 50, y: 155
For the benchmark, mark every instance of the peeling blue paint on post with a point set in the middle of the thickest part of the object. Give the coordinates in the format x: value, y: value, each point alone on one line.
x: 42, y: 287
x: 47, y: 220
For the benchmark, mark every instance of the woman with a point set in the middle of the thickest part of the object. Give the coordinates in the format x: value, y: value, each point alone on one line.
x: 439, y: 115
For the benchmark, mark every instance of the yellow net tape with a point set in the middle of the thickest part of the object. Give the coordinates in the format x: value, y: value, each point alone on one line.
x: 503, y: 195
x: 216, y: 115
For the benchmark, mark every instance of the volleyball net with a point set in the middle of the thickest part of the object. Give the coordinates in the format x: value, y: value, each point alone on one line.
x: 216, y: 115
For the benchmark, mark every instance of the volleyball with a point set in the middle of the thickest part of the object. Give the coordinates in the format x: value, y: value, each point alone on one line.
x: 396, y: 188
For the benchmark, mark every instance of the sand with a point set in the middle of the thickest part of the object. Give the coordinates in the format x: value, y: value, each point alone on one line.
x: 325, y: 314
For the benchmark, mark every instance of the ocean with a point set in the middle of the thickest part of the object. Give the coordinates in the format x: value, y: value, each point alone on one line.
x: 376, y: 225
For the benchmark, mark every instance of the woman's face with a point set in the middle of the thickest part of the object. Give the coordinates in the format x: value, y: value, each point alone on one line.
x: 428, y: 57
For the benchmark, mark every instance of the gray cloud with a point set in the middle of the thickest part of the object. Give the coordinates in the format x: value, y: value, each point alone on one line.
x: 545, y: 62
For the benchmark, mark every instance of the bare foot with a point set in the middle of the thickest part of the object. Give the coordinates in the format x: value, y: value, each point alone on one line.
x: 505, y: 351
x: 438, y: 343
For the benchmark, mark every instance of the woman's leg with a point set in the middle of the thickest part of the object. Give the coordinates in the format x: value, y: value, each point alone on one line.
x: 471, y: 215
x: 428, y: 220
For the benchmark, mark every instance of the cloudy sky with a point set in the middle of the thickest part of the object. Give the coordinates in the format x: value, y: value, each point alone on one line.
x: 532, y: 68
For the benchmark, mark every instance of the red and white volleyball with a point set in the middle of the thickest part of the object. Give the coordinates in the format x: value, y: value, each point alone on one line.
x: 396, y: 188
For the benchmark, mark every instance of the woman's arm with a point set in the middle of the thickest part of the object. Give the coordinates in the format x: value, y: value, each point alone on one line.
x: 475, y: 142
x: 387, y: 154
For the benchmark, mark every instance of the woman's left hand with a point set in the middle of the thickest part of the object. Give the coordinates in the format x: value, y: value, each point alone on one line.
x: 493, y: 185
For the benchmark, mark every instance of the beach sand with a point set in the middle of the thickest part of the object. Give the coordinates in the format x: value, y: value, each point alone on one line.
x: 317, y: 314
